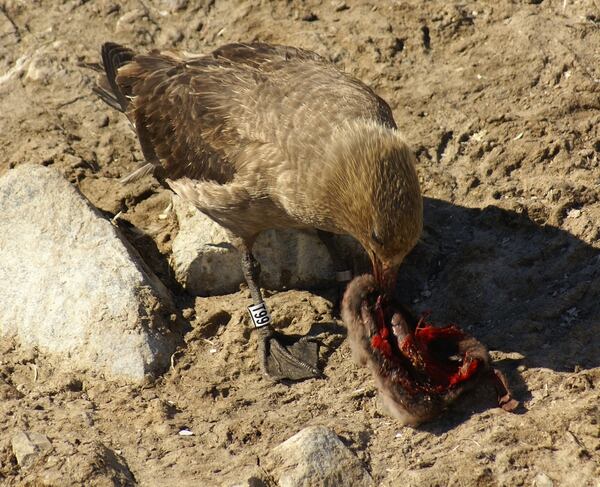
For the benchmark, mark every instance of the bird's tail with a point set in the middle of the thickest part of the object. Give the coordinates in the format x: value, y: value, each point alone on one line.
x: 117, y: 95
x: 114, y: 56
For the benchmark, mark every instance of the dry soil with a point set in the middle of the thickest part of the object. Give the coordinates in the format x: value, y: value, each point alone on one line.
x: 501, y: 102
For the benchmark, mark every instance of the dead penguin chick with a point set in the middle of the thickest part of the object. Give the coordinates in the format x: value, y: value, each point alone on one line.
x: 419, y: 369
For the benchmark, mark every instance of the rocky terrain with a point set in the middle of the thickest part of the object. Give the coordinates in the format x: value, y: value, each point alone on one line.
x: 501, y: 103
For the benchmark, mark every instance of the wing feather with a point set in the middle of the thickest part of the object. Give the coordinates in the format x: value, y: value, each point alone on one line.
x: 195, y: 115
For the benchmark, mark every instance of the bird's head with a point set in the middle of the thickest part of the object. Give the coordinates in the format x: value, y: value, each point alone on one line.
x: 380, y: 198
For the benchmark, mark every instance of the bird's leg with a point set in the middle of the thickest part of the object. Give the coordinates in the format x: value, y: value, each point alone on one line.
x: 280, y: 357
x: 343, y: 272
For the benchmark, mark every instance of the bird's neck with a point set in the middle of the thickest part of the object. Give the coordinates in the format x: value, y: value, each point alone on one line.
x: 353, y: 161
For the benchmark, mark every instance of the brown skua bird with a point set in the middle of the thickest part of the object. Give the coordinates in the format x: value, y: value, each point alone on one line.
x: 258, y: 136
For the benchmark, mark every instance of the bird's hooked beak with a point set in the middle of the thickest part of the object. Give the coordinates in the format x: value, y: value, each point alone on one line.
x: 385, y: 275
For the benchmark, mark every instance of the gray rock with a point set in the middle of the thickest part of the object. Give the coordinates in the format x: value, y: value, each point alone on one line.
x: 8, y: 392
x: 128, y: 20
x: 542, y: 480
x: 206, y: 262
x: 90, y: 463
x: 316, y: 457
x: 70, y: 285
x: 173, y: 5
x: 28, y: 447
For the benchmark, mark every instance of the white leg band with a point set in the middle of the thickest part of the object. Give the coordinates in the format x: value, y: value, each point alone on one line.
x: 343, y: 276
x: 260, y: 315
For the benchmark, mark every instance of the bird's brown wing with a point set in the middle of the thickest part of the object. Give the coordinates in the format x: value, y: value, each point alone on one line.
x: 180, y: 131
x: 197, y: 116
x: 192, y: 113
x: 259, y: 55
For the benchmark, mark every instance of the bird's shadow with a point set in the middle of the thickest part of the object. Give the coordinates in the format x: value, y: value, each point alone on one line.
x: 336, y: 334
x: 520, y: 288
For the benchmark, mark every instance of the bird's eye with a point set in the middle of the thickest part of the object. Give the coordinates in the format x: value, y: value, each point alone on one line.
x: 376, y: 238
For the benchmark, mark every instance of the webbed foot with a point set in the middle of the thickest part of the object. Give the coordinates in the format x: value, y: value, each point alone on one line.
x: 284, y: 357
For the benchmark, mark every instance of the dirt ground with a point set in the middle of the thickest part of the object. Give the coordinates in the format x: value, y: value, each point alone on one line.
x: 500, y: 101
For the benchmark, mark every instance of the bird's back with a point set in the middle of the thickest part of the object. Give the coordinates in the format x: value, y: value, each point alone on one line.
x: 210, y: 117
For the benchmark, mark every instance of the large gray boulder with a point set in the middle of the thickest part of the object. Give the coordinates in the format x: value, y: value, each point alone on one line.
x: 206, y: 262
x: 70, y: 285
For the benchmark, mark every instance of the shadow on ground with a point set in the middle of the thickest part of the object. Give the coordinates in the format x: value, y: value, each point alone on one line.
x: 515, y: 285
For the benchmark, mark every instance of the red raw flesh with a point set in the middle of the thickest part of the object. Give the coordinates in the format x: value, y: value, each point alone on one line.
x: 415, y: 348
x: 380, y: 340
x: 444, y: 374
x: 381, y: 343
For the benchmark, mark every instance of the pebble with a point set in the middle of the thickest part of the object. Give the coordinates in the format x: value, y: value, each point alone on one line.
x: 170, y: 36
x: 28, y: 446
x: 542, y: 480
x: 40, y: 69
x: 174, y: 5
x: 126, y: 21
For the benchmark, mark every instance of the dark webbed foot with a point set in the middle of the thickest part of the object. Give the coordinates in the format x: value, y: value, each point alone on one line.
x: 283, y: 357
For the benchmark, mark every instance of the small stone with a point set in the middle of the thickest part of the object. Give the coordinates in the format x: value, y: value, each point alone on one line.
x: 341, y: 6
x: 28, y: 446
x: 542, y: 480
x: 316, y: 457
x: 170, y: 36
x: 174, y: 5
x: 127, y: 20
x: 102, y: 121
x: 40, y: 69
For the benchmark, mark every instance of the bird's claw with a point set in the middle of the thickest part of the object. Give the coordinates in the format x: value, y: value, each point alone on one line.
x: 282, y: 358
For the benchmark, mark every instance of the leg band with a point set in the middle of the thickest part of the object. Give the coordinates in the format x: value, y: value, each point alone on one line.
x: 343, y: 276
x: 260, y: 315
